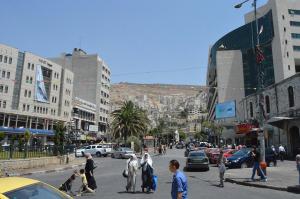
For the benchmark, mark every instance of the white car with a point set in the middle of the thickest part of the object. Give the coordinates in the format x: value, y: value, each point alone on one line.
x: 80, y: 152
x: 96, y: 150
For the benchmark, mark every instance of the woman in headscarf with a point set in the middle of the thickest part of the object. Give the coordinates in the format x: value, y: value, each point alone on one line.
x: 147, y: 172
x: 132, y: 167
x: 89, y: 171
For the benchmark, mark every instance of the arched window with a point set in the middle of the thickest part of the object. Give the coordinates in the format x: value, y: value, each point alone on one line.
x: 291, y: 96
x: 267, y: 100
x: 251, y: 109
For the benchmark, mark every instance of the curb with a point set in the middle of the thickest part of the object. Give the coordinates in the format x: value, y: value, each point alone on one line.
x: 47, y: 171
x: 256, y: 185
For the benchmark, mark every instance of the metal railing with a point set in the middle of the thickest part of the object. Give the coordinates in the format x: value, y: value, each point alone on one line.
x: 22, y: 152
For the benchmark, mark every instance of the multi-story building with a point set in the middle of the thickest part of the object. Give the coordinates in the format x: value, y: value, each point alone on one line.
x: 281, y: 113
x: 91, y: 84
x: 35, y: 93
x: 232, y: 69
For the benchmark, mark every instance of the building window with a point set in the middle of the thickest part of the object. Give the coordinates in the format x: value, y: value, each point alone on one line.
x: 24, y: 106
x: 4, y: 104
x: 295, y: 36
x: 27, y: 79
x: 32, y: 66
x: 10, y: 60
x: 28, y: 66
x: 288, y: 54
x: 283, y: 17
x: 30, y: 80
x: 3, y: 74
x: 294, y: 12
x: 295, y: 23
x: 1, y: 88
x: 268, y: 104
x: 289, y: 67
x: 284, y: 29
x: 29, y: 94
x: 8, y: 75
x: 291, y: 96
x: 296, y: 48
x: 25, y: 93
x: 1, y: 58
x: 251, y: 109
x: 5, y: 59
x: 6, y: 89
x: 28, y: 107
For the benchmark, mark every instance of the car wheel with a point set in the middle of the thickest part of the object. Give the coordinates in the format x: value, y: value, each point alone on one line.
x: 207, y: 169
x: 112, y: 156
x: 271, y: 164
x: 244, y: 166
x: 98, y: 154
x: 105, y: 155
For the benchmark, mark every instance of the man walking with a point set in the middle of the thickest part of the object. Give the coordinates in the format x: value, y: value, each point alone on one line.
x: 179, y: 183
x: 281, y: 152
x: 256, y: 166
x: 298, y: 165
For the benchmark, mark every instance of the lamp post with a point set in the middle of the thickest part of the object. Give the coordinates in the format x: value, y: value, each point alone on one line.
x: 260, y: 82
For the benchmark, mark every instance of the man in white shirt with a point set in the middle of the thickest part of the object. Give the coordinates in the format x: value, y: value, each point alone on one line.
x: 281, y: 152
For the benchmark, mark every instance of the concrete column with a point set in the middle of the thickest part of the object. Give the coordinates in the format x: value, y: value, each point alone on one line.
x: 4, y: 118
x: 44, y: 140
x: 30, y: 123
x: 52, y: 124
x: 8, y: 122
x: 36, y: 124
x: 26, y: 126
x: 17, y: 118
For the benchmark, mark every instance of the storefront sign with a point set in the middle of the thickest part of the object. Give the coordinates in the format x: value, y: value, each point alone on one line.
x: 245, y: 128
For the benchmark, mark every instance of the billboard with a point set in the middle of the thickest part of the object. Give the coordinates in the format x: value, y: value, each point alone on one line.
x: 93, y: 128
x: 225, y: 110
x: 42, y: 84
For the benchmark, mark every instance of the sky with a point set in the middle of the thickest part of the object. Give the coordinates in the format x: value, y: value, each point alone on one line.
x: 142, y: 41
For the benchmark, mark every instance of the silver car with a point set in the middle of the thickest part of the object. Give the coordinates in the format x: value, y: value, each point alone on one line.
x: 197, y: 160
x: 122, y: 152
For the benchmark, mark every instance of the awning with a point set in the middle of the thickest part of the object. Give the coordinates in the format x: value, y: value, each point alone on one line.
x: 279, y: 121
x: 22, y: 130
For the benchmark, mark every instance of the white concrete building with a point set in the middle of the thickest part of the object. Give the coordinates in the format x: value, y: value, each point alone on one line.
x: 91, y: 83
x: 35, y: 92
x: 232, y: 69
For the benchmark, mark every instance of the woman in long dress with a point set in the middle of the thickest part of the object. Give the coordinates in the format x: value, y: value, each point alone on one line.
x: 147, y: 172
x: 132, y: 167
x: 89, y: 171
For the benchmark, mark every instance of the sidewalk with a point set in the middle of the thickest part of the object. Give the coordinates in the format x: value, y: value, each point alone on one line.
x: 78, y: 162
x: 282, y: 178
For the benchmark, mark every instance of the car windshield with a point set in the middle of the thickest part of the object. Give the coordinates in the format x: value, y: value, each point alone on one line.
x: 241, y: 152
x: 196, y: 154
x: 35, y: 191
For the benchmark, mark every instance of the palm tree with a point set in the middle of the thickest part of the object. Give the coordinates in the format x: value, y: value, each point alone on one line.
x: 129, y: 120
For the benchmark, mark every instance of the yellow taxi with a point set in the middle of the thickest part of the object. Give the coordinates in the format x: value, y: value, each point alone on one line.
x: 25, y: 188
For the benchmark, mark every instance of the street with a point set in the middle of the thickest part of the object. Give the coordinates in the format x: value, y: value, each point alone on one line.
x: 111, y: 184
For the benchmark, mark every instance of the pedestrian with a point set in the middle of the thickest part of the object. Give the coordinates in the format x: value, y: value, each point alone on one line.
x: 179, y: 183
x: 160, y: 149
x: 171, y: 145
x: 147, y: 172
x: 298, y: 165
x: 89, y: 171
x: 281, y: 152
x: 132, y: 167
x: 221, y: 164
x: 256, y: 166
x: 84, y: 188
x: 165, y: 149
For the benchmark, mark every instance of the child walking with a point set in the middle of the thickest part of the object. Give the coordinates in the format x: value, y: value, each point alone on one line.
x: 84, y: 187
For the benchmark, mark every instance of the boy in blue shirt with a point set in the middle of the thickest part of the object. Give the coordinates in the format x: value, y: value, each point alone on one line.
x: 179, y: 183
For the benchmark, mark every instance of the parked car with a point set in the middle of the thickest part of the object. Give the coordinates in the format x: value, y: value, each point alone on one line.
x: 16, y: 187
x: 96, y: 150
x: 179, y: 146
x: 229, y: 152
x: 80, y: 151
x: 197, y: 160
x: 122, y: 152
x: 243, y: 159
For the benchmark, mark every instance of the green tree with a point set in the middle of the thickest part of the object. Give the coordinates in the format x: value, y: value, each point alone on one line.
x: 2, y: 136
x: 129, y: 120
x: 182, y: 135
x: 136, y: 141
x: 59, y: 137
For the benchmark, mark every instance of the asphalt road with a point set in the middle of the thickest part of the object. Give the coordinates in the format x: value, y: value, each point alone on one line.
x: 111, y: 184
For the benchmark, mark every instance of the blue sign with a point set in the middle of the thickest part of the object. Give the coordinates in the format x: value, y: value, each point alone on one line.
x: 226, y: 110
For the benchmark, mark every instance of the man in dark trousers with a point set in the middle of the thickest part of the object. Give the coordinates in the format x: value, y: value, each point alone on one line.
x: 256, y: 165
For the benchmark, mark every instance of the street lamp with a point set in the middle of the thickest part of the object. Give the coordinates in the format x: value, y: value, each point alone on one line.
x: 260, y: 81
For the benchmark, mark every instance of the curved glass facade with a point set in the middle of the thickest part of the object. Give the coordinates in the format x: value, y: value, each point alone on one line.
x: 243, y: 39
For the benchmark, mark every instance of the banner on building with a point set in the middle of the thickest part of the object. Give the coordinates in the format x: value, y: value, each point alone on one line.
x: 226, y: 110
x: 42, y: 84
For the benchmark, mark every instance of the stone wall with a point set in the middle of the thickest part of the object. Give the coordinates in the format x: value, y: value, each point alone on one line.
x: 31, y: 163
